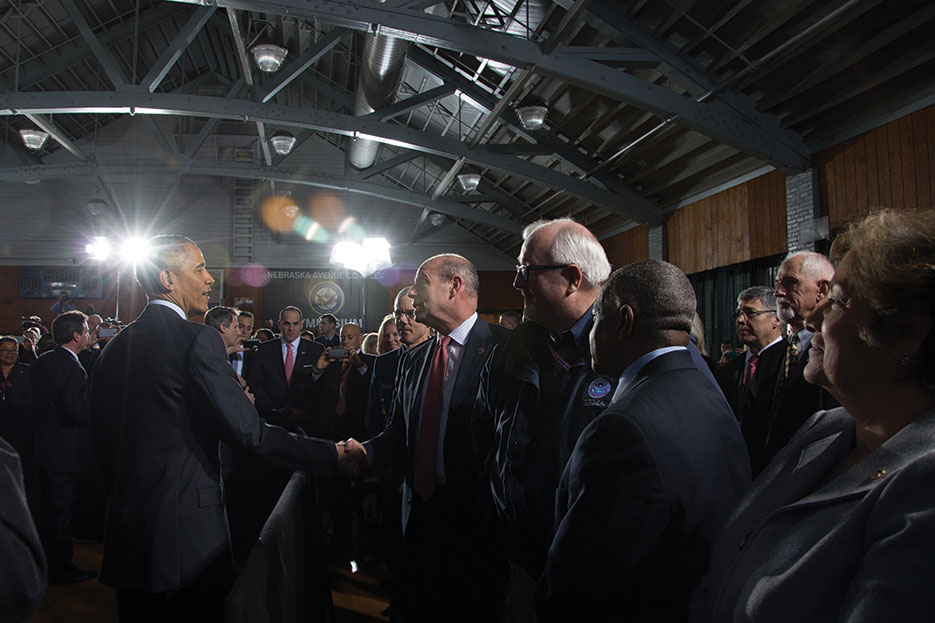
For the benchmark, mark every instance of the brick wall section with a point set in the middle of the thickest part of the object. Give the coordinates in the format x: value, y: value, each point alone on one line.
x: 802, y: 205
x: 656, y: 243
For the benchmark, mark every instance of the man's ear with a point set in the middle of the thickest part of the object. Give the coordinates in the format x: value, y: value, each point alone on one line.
x: 575, y: 278
x: 166, y: 280
x: 627, y: 317
x: 456, y: 285
x: 824, y: 286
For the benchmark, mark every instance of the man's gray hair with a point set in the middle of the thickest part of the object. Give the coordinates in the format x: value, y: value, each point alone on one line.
x: 575, y: 244
x: 219, y: 316
x: 660, y: 294
x: 452, y: 264
x: 401, y: 294
x: 165, y: 252
x: 815, y: 266
x: 765, y: 294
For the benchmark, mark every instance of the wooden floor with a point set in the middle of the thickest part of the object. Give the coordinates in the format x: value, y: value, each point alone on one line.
x: 358, y: 597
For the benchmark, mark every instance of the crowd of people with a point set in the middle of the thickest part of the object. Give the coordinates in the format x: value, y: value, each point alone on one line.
x: 576, y: 460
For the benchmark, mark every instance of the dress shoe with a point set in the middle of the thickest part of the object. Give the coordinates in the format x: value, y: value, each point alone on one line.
x: 72, y: 575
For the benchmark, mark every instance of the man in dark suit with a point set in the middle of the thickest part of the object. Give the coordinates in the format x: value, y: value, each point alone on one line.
x: 164, y: 395
x: 453, y: 569
x: 758, y: 328
x: 280, y: 377
x: 327, y: 331
x: 653, y: 478
x: 781, y: 399
x: 241, y: 361
x: 62, y: 440
x: 379, y: 405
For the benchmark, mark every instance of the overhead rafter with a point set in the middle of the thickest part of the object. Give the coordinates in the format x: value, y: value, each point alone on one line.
x: 348, y: 125
x: 294, y: 69
x: 172, y: 53
x: 103, y: 55
x: 786, y: 150
x: 299, y: 177
x: 47, y: 126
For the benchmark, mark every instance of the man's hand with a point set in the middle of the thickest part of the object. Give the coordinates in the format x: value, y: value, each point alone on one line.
x: 354, y: 357
x: 322, y: 362
x: 235, y: 349
x: 351, y: 456
x: 246, y: 391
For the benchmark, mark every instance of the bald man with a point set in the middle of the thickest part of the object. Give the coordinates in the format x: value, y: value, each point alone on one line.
x: 453, y: 568
x: 781, y: 400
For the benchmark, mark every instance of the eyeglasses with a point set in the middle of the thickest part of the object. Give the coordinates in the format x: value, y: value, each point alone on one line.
x: 409, y: 313
x: 524, y: 269
x: 9, y: 350
x: 752, y: 313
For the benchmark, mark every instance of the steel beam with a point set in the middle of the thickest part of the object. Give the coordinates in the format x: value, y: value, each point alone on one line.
x: 347, y: 125
x: 181, y: 41
x: 274, y: 174
x: 294, y: 69
x: 411, y: 103
x: 57, y: 134
x: 786, y: 150
x: 103, y: 55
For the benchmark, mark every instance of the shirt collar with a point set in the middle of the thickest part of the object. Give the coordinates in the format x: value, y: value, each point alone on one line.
x: 463, y: 330
x: 69, y: 351
x: 577, y: 331
x: 634, y: 368
x: 295, y: 343
x: 763, y: 350
x: 171, y: 306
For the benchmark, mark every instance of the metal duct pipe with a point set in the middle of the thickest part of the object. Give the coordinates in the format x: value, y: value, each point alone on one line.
x: 380, y: 73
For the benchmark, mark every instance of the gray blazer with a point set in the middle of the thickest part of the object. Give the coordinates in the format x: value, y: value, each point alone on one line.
x: 859, y: 548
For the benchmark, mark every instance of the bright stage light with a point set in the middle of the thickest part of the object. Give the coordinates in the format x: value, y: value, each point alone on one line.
x: 366, y: 258
x: 134, y: 251
x: 98, y: 248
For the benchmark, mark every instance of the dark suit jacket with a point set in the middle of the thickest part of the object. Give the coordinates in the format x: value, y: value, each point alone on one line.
x: 382, y: 387
x: 728, y: 377
x: 62, y: 433
x: 266, y: 377
x: 163, y: 396
x: 858, y: 548
x: 334, y: 342
x: 766, y: 431
x: 643, y: 496
x: 16, y: 413
x: 467, y: 483
x: 356, y: 392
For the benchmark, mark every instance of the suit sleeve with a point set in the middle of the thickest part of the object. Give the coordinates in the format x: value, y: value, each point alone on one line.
x: 611, y: 487
x: 375, y: 419
x: 73, y: 397
x: 239, y: 423
x: 893, y: 580
x: 389, y: 447
x: 256, y: 383
x: 22, y: 561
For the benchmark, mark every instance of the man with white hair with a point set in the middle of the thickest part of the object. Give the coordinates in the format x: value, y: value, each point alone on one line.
x: 781, y: 400
x: 538, y: 392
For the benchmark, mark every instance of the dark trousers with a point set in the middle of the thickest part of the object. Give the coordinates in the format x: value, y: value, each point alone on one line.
x: 451, y: 570
x: 201, y: 601
x: 58, y: 498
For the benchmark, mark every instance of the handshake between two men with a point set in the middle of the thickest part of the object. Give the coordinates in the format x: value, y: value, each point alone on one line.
x: 352, y: 456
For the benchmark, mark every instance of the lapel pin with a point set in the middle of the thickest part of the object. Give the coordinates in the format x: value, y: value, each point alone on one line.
x: 878, y: 475
x: 481, y: 350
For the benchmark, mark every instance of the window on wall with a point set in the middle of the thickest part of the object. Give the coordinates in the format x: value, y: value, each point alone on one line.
x: 717, y: 290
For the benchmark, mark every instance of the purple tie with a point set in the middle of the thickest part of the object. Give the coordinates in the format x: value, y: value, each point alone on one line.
x: 426, y: 446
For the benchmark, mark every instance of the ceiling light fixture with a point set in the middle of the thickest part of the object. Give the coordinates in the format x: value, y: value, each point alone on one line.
x: 469, y: 181
x: 269, y: 56
x: 532, y: 114
x: 282, y: 142
x: 33, y: 139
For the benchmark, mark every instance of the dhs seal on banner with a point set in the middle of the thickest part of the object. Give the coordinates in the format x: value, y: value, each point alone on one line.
x: 598, y: 390
x: 326, y: 297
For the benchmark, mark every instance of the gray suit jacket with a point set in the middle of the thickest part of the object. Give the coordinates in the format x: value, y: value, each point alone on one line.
x: 859, y: 548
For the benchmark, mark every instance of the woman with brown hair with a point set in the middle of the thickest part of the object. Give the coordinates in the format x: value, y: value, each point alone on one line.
x: 841, y: 525
x: 387, y: 336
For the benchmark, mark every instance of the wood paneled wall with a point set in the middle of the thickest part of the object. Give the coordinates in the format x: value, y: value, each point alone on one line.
x: 739, y: 224
x: 627, y: 247
x: 892, y: 166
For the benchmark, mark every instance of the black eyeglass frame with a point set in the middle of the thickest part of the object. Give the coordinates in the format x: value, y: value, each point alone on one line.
x: 753, y: 314
x: 523, y: 269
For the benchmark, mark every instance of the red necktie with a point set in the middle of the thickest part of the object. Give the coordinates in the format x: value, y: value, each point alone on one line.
x: 290, y: 362
x: 424, y: 463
